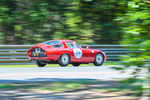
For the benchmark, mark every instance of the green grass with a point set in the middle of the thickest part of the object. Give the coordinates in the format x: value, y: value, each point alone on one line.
x: 18, y: 66
x: 118, y: 68
x: 6, y: 86
x: 57, y: 65
x: 126, y: 86
x: 112, y: 63
x: 60, y: 86
x: 49, y: 65
x: 52, y: 86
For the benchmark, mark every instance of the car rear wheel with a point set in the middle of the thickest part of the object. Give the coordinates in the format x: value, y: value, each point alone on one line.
x: 76, y: 64
x: 40, y: 63
x: 99, y: 59
x: 64, y: 60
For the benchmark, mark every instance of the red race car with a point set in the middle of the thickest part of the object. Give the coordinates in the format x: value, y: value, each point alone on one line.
x: 64, y: 52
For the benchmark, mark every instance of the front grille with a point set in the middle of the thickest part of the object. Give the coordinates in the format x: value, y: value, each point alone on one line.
x: 38, y: 52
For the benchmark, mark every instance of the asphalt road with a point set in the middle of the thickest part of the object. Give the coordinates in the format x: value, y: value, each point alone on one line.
x: 36, y: 74
x: 48, y: 74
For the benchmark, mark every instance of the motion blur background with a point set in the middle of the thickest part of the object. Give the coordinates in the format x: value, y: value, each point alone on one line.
x: 85, y: 21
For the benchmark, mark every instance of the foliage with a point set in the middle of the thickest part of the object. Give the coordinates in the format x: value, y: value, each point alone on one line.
x: 29, y: 22
x: 86, y: 21
x: 135, y: 24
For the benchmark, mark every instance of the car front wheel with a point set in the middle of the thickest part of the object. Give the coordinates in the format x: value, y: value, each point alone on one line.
x: 99, y: 59
x: 64, y: 60
x: 40, y: 63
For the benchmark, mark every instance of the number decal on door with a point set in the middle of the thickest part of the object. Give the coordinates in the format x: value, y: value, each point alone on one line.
x: 77, y: 53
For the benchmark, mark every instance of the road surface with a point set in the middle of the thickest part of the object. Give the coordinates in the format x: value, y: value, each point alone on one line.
x: 48, y: 74
x: 37, y: 74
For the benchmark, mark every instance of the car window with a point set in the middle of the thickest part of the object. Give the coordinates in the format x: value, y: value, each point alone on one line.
x: 71, y: 44
x: 54, y: 44
x: 57, y: 45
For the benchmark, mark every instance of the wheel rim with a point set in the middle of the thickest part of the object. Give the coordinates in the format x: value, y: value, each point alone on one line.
x: 99, y: 58
x: 65, y: 59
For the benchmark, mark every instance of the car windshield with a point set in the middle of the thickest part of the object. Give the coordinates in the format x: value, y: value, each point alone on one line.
x: 54, y: 44
x: 71, y: 44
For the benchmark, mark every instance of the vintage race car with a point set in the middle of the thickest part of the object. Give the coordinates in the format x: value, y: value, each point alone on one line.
x: 64, y: 52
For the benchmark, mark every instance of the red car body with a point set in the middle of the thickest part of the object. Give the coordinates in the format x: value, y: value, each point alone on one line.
x: 51, y: 52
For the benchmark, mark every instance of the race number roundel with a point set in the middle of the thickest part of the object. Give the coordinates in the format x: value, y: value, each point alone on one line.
x: 77, y: 53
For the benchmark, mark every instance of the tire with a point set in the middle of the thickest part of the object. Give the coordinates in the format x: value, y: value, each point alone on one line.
x: 76, y: 64
x: 64, y: 60
x: 40, y: 63
x: 99, y: 59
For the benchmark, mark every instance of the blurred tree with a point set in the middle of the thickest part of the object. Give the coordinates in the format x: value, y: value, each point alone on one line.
x: 76, y: 29
x: 89, y: 21
x: 135, y: 24
x: 100, y: 14
x: 92, y: 21
x: 23, y: 22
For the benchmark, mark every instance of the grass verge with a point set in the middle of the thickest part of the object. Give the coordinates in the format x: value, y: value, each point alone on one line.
x: 125, y: 86
x: 57, y: 65
x: 52, y: 86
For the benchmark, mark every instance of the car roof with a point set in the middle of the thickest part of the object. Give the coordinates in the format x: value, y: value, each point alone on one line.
x: 63, y: 40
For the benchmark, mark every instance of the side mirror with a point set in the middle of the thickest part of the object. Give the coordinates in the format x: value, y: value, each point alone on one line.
x: 87, y: 47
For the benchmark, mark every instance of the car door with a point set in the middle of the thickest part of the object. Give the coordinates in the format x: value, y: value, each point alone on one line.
x: 75, y: 50
x: 78, y: 54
